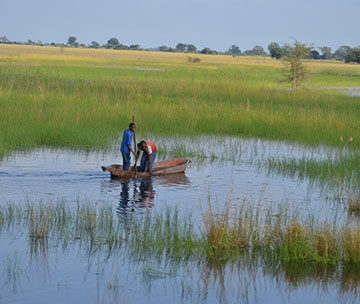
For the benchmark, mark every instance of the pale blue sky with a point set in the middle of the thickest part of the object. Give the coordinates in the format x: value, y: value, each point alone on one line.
x: 212, y: 23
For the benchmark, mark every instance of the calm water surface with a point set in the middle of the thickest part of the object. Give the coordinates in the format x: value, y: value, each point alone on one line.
x: 44, y: 273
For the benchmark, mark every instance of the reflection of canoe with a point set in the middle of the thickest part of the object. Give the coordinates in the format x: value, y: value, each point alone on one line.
x: 171, y: 166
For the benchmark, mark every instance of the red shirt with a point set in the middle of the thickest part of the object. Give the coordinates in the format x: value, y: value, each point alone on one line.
x: 151, y: 146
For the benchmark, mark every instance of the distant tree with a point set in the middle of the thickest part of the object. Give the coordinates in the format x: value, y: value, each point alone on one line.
x: 275, y: 50
x: 112, y: 43
x: 295, y: 70
x: 326, y: 52
x: 134, y: 47
x: 190, y: 48
x: 71, y: 40
x: 353, y: 56
x: 181, y: 47
x: 4, y: 40
x: 342, y: 52
x: 94, y: 45
x: 234, y: 50
x: 256, y: 51
x: 163, y: 48
x: 121, y: 47
x: 314, y: 54
x: 206, y: 51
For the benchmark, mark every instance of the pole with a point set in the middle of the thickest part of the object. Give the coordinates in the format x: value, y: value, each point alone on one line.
x: 135, y: 147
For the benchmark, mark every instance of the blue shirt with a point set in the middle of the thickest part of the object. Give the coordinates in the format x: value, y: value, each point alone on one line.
x: 126, y: 140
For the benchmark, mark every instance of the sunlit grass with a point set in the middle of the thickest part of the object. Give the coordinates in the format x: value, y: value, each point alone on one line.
x: 84, y: 101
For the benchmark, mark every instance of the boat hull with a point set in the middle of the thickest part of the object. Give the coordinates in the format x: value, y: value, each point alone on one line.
x: 171, y: 166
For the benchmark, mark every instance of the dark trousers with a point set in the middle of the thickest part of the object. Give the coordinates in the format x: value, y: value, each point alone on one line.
x: 126, y: 161
x: 144, y: 163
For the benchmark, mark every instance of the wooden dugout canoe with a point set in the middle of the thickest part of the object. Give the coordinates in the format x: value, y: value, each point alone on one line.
x: 171, y: 166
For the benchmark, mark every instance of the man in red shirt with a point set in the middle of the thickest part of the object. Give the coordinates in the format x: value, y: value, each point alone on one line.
x: 149, y: 154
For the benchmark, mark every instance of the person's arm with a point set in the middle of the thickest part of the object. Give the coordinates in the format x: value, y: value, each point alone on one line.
x: 131, y: 149
x: 128, y: 144
x: 149, y: 157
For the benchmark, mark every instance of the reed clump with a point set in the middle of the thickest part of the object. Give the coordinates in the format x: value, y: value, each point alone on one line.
x: 275, y: 238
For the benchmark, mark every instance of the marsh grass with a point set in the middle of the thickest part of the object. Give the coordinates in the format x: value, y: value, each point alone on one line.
x: 275, y: 237
x: 84, y: 100
x: 332, y: 170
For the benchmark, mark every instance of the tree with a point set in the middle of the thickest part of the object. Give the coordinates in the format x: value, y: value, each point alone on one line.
x: 256, y: 51
x: 275, y: 50
x: 353, y: 56
x: 112, y: 43
x: 206, y: 51
x: 94, y: 45
x: 121, y: 47
x: 4, y: 39
x: 326, y: 52
x: 295, y: 70
x: 234, y: 50
x: 134, y: 47
x: 190, y: 48
x: 71, y: 40
x: 342, y: 52
x: 181, y: 47
x: 314, y: 54
x: 163, y: 48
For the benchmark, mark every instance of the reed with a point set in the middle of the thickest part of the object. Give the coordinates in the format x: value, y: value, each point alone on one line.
x: 225, y: 235
x: 85, y: 100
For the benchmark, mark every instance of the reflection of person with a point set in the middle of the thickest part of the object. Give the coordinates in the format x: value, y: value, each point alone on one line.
x: 126, y: 146
x: 124, y: 195
x: 149, y: 154
x: 147, y: 194
x: 141, y: 198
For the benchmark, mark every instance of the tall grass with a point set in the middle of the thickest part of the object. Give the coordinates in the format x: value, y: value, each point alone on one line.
x: 83, y: 101
x: 228, y: 234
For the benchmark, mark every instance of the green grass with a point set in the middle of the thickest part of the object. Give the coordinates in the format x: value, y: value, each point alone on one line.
x: 330, y: 171
x: 86, y: 100
x: 280, y: 239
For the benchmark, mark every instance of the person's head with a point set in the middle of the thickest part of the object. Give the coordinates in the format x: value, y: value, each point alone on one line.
x: 132, y: 127
x: 141, y: 145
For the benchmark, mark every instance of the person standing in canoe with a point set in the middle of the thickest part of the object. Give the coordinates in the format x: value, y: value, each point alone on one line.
x: 149, y: 154
x: 126, y: 146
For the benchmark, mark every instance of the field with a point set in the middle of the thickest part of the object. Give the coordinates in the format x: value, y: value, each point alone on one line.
x: 287, y: 161
x: 81, y: 98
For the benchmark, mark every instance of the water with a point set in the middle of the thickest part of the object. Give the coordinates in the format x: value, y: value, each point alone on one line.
x: 49, y: 271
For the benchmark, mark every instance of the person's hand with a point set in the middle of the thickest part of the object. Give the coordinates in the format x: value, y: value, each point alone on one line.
x: 150, y: 172
x: 133, y: 153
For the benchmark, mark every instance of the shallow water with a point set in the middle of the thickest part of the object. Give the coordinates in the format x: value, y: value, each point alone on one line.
x: 42, y: 272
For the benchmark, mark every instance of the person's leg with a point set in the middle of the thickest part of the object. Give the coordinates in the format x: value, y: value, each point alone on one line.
x: 126, y: 161
x: 143, y: 162
x: 153, y: 156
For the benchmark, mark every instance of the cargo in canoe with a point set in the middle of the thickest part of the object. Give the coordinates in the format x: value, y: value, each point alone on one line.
x: 171, y: 166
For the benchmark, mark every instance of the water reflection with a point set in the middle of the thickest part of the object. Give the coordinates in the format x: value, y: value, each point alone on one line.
x: 136, y: 194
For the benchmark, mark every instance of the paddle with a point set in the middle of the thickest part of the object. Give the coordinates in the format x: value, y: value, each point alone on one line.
x: 133, y: 120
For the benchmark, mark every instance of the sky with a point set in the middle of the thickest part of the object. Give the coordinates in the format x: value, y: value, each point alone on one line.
x: 204, y: 23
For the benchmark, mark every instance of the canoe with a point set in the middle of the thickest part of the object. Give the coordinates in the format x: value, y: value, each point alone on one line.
x: 171, y: 166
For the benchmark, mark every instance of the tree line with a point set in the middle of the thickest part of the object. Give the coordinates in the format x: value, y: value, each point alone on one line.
x: 343, y: 53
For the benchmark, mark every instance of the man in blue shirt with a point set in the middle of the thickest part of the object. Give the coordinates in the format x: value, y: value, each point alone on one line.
x: 126, y: 146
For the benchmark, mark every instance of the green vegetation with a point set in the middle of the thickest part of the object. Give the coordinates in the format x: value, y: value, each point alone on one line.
x: 277, y: 237
x: 345, y: 169
x: 85, y: 98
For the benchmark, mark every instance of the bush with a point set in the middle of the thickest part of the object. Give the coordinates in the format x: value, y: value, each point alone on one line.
x: 193, y: 59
